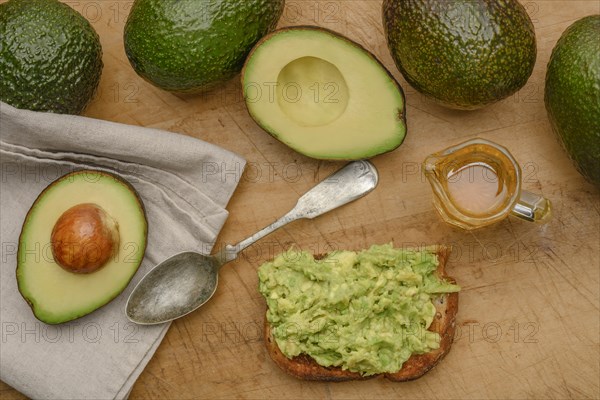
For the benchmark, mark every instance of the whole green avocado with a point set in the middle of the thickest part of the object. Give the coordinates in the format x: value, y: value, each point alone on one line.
x: 50, y: 57
x: 190, y: 46
x: 463, y: 53
x: 573, y: 94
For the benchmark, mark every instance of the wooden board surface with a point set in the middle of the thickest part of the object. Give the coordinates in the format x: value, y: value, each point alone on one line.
x: 528, y: 325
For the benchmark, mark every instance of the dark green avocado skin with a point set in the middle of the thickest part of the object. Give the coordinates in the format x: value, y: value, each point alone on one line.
x: 190, y: 46
x: 572, y: 94
x: 50, y: 57
x: 463, y: 53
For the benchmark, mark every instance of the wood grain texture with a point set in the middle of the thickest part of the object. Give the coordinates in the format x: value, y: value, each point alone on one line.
x: 529, y: 311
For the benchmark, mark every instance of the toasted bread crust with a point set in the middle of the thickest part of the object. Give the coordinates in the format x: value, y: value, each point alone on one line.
x: 444, y: 323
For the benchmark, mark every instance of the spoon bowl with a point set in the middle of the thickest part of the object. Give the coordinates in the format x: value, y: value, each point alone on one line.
x: 176, y: 287
x: 186, y: 281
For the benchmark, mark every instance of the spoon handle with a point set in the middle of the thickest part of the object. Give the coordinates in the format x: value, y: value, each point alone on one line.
x: 346, y: 185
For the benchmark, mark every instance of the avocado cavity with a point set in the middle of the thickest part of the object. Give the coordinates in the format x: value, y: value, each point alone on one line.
x: 323, y: 95
x: 308, y: 74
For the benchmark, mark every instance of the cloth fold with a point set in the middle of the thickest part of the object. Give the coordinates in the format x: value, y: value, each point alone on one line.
x: 185, y: 185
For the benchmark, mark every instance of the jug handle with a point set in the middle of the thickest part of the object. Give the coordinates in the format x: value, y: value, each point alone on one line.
x: 532, y: 207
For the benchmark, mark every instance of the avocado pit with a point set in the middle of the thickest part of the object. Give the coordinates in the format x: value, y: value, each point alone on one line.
x: 84, y: 238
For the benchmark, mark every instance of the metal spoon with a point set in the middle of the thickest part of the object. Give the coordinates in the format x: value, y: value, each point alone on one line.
x: 184, y: 282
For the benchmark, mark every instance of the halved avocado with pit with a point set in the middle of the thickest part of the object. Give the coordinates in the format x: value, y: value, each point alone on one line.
x: 323, y: 95
x: 81, y: 243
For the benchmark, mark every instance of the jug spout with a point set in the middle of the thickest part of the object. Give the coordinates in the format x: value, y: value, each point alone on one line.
x: 430, y: 165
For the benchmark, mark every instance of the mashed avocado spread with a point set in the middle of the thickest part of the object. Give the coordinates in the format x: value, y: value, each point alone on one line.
x: 364, y: 311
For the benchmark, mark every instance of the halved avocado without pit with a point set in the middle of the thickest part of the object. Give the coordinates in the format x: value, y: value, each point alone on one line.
x: 323, y: 95
x: 81, y: 243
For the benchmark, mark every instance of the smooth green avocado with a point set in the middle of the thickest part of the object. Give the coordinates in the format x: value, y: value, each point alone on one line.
x: 323, y: 95
x: 365, y: 311
x: 50, y: 57
x: 573, y: 94
x: 82, y: 218
x: 190, y: 46
x: 465, y: 54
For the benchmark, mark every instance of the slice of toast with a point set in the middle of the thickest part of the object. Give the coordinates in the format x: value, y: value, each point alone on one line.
x: 305, y: 367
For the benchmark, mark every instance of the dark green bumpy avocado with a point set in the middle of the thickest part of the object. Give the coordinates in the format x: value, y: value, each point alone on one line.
x: 573, y: 94
x: 463, y: 53
x: 190, y: 46
x: 50, y: 57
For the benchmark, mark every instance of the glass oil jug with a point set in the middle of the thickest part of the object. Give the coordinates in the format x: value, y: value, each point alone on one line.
x: 478, y: 183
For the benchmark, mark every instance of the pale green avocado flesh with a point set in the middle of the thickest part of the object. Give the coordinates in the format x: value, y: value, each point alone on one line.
x: 366, y: 312
x: 323, y: 95
x: 54, y: 294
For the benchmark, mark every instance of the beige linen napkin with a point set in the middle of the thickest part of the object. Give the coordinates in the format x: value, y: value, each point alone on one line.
x: 185, y: 185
